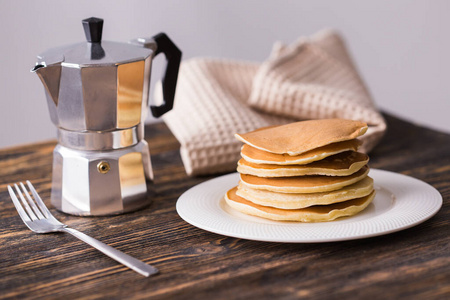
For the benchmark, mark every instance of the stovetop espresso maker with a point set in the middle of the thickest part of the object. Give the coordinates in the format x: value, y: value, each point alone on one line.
x: 97, y: 94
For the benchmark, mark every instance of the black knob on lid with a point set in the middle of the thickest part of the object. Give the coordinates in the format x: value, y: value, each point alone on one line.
x: 93, y: 29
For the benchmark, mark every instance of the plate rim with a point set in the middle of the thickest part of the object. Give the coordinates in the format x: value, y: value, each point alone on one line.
x: 436, y: 196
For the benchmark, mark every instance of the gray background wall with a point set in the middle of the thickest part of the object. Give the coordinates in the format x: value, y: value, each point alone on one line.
x: 402, y: 48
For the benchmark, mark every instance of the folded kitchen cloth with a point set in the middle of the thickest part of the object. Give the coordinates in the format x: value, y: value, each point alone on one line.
x: 314, y: 78
x: 210, y: 107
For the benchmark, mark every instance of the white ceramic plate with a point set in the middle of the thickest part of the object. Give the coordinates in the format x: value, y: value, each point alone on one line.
x: 401, y: 202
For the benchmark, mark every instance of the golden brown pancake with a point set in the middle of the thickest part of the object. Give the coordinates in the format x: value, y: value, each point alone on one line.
x: 317, y: 213
x: 303, y: 184
x: 342, y: 164
x: 299, y: 137
x: 295, y: 200
x: 257, y: 156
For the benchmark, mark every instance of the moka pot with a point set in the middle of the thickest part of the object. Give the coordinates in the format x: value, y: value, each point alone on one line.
x: 98, y: 97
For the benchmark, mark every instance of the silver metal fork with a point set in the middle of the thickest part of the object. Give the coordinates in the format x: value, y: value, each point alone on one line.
x: 38, y: 218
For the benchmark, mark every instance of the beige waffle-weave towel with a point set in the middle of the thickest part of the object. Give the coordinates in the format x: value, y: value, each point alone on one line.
x: 215, y: 98
x: 316, y: 79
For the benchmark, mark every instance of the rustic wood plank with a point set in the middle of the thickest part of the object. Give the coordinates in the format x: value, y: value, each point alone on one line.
x: 196, y: 264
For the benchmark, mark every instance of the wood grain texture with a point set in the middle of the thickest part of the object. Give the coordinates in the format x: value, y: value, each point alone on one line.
x: 195, y: 264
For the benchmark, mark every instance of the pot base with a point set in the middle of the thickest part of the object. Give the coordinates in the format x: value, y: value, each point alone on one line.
x: 100, y: 183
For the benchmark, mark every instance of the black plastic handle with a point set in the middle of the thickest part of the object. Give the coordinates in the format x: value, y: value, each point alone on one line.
x: 93, y: 28
x: 169, y: 80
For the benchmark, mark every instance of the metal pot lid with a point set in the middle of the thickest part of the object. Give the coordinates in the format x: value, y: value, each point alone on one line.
x: 94, y: 52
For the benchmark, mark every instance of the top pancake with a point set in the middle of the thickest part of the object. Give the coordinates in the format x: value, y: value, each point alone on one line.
x: 299, y: 137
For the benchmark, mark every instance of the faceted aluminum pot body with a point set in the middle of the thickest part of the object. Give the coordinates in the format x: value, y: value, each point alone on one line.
x: 108, y: 95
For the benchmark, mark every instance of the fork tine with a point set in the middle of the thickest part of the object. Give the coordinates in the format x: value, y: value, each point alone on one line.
x: 39, y: 201
x: 31, y: 202
x: 31, y: 214
x: 18, y: 206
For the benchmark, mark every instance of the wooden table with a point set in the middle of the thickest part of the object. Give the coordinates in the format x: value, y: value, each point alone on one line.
x: 195, y: 264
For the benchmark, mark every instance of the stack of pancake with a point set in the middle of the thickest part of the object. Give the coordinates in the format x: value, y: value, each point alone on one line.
x: 307, y: 171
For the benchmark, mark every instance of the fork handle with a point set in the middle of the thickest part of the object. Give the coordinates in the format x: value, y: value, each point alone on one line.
x: 131, y: 262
